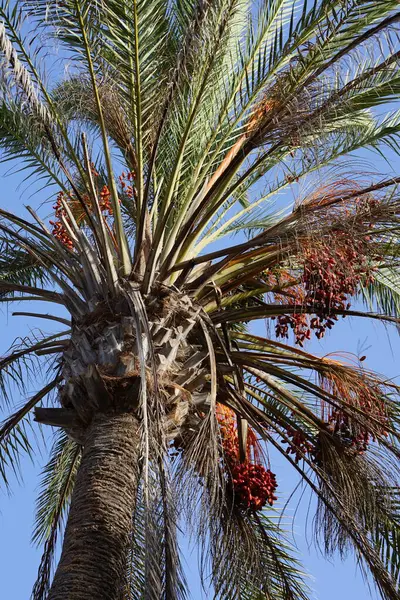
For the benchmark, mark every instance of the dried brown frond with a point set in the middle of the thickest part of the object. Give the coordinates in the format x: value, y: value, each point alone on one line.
x: 75, y: 99
x: 358, y: 485
x: 361, y: 409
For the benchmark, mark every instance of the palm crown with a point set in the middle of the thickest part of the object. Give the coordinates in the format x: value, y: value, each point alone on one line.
x: 176, y: 125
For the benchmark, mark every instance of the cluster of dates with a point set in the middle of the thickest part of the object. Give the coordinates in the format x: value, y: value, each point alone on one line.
x: 352, y: 433
x: 341, y: 426
x: 105, y: 201
x: 299, y: 445
x: 332, y: 271
x: 298, y: 322
x: 58, y: 228
x: 59, y: 231
x: 251, y: 484
x: 126, y: 180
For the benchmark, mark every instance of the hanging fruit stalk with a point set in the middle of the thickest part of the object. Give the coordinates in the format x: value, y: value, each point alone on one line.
x: 368, y: 402
x: 59, y: 231
x: 358, y: 418
x: 299, y: 444
x: 332, y: 270
x: 105, y: 201
x: 251, y: 484
x: 126, y: 180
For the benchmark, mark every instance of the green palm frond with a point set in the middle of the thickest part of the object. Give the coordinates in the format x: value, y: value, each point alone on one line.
x: 282, y: 576
x: 15, y: 444
x: 153, y: 552
x: 387, y: 538
x: 21, y: 364
x: 58, y: 478
x: 14, y: 436
x: 18, y: 266
x: 23, y: 138
x: 384, y: 291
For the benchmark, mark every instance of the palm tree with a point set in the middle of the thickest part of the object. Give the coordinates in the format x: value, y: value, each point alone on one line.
x: 177, y: 123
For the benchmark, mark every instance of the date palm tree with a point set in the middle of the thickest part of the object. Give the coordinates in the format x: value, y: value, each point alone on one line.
x: 176, y: 124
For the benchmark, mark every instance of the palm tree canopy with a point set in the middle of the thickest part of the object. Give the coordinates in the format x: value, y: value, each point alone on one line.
x: 174, y: 125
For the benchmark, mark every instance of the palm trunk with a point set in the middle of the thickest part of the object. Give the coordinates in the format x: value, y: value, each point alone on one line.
x: 93, y: 557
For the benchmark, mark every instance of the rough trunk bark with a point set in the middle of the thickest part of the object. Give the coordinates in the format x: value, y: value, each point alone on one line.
x: 93, y: 557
